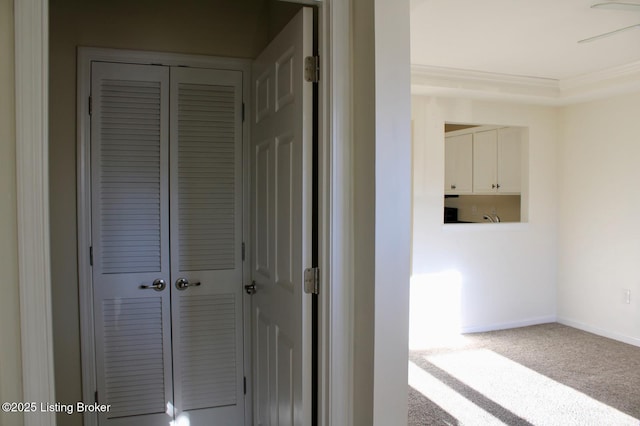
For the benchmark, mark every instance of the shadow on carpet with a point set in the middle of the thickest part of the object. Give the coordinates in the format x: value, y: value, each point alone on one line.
x: 548, y: 374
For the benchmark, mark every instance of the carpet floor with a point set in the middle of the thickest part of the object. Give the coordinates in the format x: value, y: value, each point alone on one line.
x: 547, y: 374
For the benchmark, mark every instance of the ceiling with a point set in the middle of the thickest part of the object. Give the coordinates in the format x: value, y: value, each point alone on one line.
x: 529, y: 38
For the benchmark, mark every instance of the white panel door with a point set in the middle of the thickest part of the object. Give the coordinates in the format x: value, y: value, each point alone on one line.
x: 206, y: 246
x: 281, y: 179
x: 130, y: 240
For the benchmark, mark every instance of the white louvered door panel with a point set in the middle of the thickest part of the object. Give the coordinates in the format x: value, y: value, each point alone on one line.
x: 206, y: 235
x: 281, y: 181
x: 130, y: 237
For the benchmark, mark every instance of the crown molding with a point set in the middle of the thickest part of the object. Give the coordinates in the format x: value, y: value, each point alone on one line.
x: 442, y: 81
x: 471, y: 76
x: 600, y: 84
x: 452, y: 82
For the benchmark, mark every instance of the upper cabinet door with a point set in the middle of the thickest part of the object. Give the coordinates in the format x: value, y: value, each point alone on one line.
x: 485, y: 179
x: 509, y: 160
x: 458, y: 164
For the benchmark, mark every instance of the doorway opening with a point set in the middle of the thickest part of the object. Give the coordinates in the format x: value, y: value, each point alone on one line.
x: 133, y: 30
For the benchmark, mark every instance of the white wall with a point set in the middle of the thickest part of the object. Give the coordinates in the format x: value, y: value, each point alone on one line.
x: 599, y: 231
x: 382, y: 200
x: 506, y: 272
x: 392, y: 210
x: 10, y: 363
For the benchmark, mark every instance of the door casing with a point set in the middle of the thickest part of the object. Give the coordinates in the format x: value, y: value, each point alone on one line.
x: 86, y: 55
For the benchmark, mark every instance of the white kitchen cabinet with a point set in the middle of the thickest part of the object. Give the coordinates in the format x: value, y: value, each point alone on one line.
x: 497, y: 161
x: 485, y: 148
x: 458, y: 177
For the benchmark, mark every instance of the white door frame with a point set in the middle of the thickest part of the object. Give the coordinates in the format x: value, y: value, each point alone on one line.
x: 336, y: 215
x: 32, y: 165
x: 85, y: 56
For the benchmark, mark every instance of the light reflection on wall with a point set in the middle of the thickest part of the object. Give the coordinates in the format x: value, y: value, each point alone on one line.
x: 435, y: 309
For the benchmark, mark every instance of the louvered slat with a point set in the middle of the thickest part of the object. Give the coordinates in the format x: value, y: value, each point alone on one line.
x: 206, y: 176
x: 208, y: 350
x: 130, y: 176
x: 134, y: 359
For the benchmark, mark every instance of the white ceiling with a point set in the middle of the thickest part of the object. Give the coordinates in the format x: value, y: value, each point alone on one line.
x: 532, y: 38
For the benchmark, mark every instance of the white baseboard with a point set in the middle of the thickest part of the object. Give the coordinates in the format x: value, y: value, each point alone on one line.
x: 599, y: 331
x: 506, y: 325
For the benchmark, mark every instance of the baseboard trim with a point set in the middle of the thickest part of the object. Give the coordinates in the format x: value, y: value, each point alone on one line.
x: 506, y: 325
x: 599, y: 331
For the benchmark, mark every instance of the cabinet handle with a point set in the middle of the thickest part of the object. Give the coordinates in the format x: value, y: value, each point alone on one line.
x: 498, y: 186
x: 493, y: 186
x: 453, y: 187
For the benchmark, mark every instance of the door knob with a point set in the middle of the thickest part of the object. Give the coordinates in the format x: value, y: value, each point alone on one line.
x: 183, y: 284
x: 250, y: 288
x: 158, y: 285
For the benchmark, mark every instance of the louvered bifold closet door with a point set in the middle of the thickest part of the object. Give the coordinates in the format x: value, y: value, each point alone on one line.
x: 130, y: 242
x: 206, y: 236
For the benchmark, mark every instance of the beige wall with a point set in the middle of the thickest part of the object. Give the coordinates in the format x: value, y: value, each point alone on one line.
x: 235, y: 28
x: 364, y: 212
x: 10, y: 365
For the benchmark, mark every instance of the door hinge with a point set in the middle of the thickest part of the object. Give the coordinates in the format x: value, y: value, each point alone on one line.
x: 90, y: 105
x: 91, y: 255
x: 245, y: 385
x: 243, y: 112
x: 312, y: 280
x: 243, y: 252
x: 312, y: 69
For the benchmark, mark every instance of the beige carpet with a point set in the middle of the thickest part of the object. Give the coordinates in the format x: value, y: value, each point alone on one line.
x: 548, y: 374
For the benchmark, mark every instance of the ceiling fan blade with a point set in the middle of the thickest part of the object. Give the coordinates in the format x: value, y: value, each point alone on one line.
x: 617, y: 5
x: 610, y: 33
